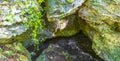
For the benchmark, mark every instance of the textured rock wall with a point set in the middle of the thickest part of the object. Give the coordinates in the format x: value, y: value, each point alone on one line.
x: 14, y: 52
x: 101, y: 23
x: 98, y: 19
x: 61, y: 18
x: 13, y: 29
x: 11, y: 20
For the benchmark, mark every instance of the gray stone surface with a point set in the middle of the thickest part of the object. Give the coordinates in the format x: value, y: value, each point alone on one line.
x: 12, y: 19
x: 61, y: 17
x: 10, y: 31
x: 62, y: 8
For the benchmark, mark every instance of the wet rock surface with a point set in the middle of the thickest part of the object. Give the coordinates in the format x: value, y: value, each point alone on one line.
x: 66, y: 49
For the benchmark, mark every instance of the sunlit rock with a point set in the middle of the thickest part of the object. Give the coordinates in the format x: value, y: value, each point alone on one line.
x: 13, y: 18
x: 62, y: 8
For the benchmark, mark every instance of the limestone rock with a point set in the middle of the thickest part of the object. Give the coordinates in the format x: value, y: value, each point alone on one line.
x: 100, y: 20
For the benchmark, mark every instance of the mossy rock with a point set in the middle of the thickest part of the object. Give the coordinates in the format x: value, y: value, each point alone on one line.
x: 14, y: 19
x: 100, y: 21
x: 62, y: 20
x: 14, y: 52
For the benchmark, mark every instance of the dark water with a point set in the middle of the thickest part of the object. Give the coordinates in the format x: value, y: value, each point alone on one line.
x: 75, y: 45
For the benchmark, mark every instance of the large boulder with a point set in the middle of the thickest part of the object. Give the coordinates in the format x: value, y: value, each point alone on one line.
x: 14, y: 16
x: 62, y: 8
x: 61, y: 18
x: 100, y: 20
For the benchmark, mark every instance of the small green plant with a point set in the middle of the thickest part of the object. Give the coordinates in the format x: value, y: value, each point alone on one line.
x: 34, y: 20
x: 69, y: 1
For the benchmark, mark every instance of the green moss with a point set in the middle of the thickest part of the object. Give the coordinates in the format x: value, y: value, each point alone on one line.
x: 14, y: 50
x: 34, y: 21
x: 69, y: 1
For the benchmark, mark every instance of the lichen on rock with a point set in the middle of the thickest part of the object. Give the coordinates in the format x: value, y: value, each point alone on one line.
x: 14, y: 52
x: 14, y: 16
x: 101, y: 23
x: 58, y: 13
x: 62, y: 8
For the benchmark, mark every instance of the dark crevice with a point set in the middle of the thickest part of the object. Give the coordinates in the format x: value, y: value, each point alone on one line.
x: 84, y: 43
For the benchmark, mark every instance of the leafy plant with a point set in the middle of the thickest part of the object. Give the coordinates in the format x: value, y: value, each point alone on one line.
x: 34, y: 20
x: 69, y: 1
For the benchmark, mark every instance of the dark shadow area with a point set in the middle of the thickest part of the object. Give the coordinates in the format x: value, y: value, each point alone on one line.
x: 80, y: 43
x: 85, y: 43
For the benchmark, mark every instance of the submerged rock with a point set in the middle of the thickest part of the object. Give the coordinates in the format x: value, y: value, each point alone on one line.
x: 100, y: 20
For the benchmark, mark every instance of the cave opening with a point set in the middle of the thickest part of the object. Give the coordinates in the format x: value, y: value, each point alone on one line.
x: 82, y: 44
